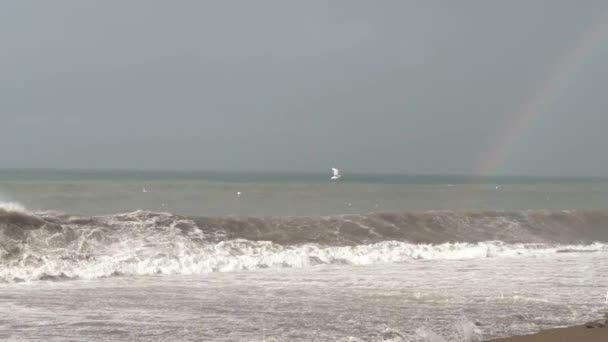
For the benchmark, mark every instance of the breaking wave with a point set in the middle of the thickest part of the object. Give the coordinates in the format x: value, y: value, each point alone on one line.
x: 54, y: 246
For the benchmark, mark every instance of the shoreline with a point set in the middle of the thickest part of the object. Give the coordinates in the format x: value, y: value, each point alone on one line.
x: 595, y: 331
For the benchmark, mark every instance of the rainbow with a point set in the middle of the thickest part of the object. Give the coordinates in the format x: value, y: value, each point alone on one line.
x: 540, y: 94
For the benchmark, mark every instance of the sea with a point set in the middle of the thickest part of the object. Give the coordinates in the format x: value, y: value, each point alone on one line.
x: 90, y: 255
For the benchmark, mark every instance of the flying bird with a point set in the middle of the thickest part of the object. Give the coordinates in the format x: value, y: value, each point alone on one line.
x: 336, y: 175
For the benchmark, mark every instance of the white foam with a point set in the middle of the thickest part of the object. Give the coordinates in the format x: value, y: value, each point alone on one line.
x: 182, y: 256
x: 462, y: 331
x: 13, y: 207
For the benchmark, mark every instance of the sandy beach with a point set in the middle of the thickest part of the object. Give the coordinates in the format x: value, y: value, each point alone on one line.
x: 580, y: 333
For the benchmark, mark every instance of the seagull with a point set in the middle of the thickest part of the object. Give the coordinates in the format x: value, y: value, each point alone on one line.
x: 144, y: 190
x: 336, y: 175
x: 238, y: 194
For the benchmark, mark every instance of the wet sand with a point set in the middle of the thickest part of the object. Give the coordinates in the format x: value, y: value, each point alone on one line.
x: 580, y: 333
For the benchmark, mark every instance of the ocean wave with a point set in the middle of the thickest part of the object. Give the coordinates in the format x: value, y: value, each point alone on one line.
x: 55, y: 246
x: 137, y: 258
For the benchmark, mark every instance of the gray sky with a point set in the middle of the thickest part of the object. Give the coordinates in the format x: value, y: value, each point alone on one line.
x: 371, y: 86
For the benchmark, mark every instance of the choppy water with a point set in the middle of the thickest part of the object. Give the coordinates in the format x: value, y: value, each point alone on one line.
x: 90, y: 256
x: 211, y: 194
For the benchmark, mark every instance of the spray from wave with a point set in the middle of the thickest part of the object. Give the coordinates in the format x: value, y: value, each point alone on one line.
x: 9, y: 207
x: 51, y: 245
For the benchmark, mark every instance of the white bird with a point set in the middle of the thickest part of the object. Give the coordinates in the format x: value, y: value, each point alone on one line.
x: 144, y: 190
x: 238, y: 194
x: 336, y: 175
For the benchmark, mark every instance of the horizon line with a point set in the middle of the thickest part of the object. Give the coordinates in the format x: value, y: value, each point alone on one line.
x: 295, y: 172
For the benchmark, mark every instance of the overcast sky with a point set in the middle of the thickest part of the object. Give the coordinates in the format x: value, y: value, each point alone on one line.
x: 370, y: 86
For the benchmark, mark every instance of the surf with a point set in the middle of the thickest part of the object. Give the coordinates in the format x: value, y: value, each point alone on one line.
x: 54, y: 246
